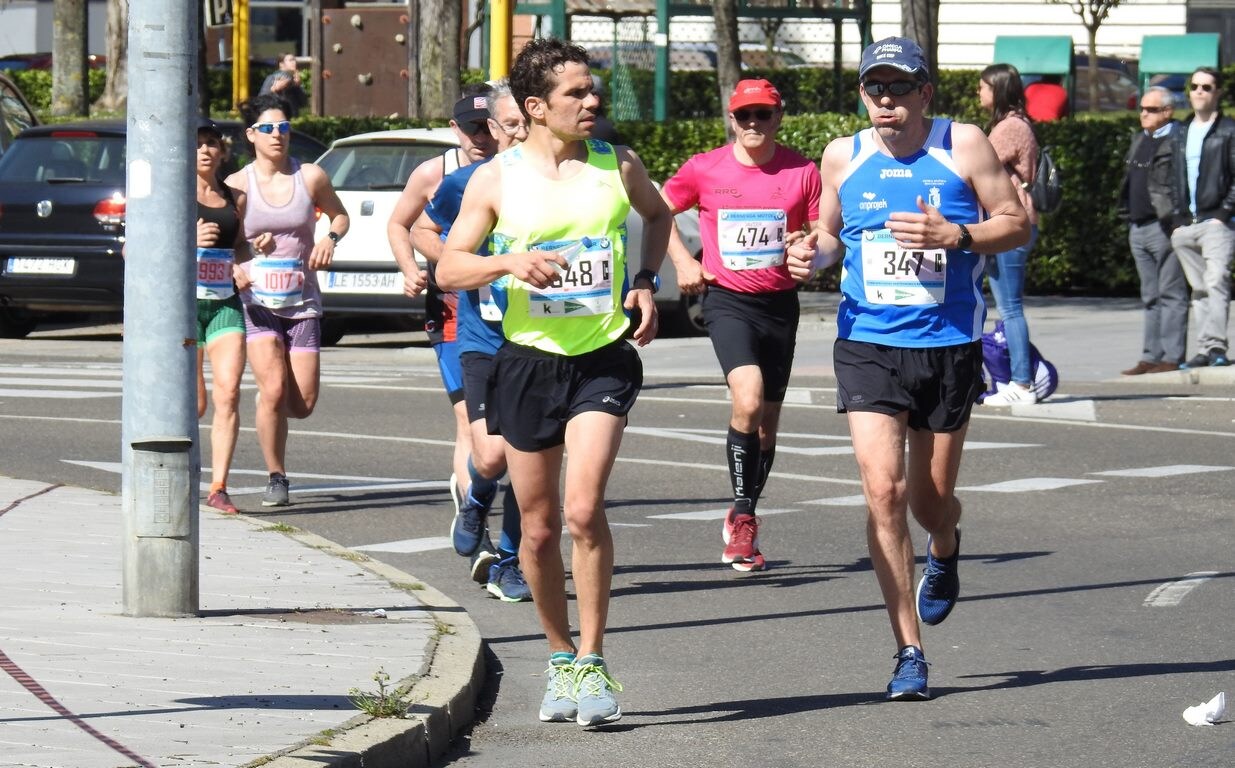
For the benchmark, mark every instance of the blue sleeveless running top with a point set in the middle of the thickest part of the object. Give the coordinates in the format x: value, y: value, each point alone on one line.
x: 891, y: 296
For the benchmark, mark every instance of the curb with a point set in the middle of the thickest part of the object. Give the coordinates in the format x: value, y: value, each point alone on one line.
x: 444, y: 691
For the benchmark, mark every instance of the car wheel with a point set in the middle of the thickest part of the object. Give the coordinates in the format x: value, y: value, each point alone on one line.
x: 15, y: 324
x: 332, y: 332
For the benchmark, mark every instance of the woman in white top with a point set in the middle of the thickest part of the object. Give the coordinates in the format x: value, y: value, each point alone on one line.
x: 282, y: 305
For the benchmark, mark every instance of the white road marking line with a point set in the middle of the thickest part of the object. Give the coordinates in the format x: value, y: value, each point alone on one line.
x: 1172, y: 592
x: 408, y: 546
x: 1169, y: 470
x: 721, y: 467
x: 1071, y: 410
x: 713, y: 514
x: 60, y: 382
x: 54, y: 394
x: 1028, y: 484
x: 840, y: 501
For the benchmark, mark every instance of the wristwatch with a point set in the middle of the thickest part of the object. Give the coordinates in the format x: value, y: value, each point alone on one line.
x: 966, y: 238
x: 335, y: 237
x: 650, y: 276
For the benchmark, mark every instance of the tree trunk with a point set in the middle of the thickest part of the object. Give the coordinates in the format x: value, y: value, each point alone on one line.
x: 69, y: 84
x: 1094, y: 106
x: 920, y: 23
x: 116, y: 90
x: 728, y: 56
x: 439, y: 57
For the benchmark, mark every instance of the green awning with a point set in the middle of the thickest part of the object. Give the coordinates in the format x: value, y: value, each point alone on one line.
x: 1177, y: 54
x: 1037, y: 55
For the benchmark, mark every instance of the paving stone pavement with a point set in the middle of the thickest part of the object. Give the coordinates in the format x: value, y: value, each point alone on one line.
x: 285, y: 630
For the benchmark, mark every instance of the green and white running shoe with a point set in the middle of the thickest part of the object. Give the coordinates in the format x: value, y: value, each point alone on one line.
x: 594, y: 692
x: 558, y: 705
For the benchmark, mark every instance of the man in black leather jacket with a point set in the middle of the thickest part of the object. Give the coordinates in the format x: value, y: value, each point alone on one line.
x: 1147, y: 204
x: 1204, y: 205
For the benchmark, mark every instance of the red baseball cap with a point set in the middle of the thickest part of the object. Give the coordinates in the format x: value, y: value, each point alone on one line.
x: 752, y: 93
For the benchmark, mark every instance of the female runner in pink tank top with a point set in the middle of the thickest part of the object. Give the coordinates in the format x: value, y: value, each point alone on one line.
x: 282, y: 306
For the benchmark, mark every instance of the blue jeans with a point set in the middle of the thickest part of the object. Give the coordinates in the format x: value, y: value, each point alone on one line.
x: 1006, y: 273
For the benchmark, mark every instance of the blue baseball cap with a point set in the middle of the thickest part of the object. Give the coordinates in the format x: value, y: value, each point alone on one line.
x: 896, y: 52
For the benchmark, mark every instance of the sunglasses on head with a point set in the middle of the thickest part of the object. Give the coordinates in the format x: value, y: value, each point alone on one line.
x: 283, y: 126
x: 1154, y: 110
x: 1206, y: 87
x: 742, y: 115
x: 896, y: 87
x: 474, y: 129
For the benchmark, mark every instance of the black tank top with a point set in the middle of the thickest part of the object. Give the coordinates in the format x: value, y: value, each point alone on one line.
x: 225, y: 217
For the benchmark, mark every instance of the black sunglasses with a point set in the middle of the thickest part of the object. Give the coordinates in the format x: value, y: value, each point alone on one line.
x: 474, y: 129
x: 742, y: 115
x: 1206, y: 87
x: 1154, y: 110
x: 896, y: 87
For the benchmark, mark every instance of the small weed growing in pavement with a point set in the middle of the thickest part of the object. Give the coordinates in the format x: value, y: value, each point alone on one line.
x: 386, y: 702
x: 443, y: 628
x: 407, y: 586
x: 280, y: 528
x: 323, y: 739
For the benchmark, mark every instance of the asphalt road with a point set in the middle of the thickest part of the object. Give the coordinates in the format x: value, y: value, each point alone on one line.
x: 1096, y: 574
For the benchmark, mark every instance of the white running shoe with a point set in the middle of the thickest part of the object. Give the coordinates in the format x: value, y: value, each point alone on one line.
x: 1012, y: 394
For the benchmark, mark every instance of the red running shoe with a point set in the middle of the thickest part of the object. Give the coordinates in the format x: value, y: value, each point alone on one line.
x: 221, y: 501
x: 741, y: 534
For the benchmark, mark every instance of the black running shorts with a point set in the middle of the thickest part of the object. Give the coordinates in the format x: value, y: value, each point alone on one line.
x: 938, y: 386
x: 532, y: 394
x: 754, y: 329
x: 476, y: 368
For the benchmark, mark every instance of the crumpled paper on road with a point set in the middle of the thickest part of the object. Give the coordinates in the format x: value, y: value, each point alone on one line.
x: 1207, y: 713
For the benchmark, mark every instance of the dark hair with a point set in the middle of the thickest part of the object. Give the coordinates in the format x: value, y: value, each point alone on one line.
x: 253, y: 108
x: 1215, y: 74
x: 1006, y: 91
x: 535, y: 70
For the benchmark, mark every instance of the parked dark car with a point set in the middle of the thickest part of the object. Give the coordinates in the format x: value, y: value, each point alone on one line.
x: 62, y: 209
x: 16, y: 115
x: 61, y: 223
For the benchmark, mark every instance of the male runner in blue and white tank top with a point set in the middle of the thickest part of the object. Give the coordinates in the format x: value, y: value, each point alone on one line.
x: 903, y: 201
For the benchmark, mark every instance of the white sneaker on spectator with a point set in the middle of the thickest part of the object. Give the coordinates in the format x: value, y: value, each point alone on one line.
x: 1012, y: 394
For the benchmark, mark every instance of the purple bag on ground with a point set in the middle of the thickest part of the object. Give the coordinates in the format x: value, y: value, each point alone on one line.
x: 998, y: 364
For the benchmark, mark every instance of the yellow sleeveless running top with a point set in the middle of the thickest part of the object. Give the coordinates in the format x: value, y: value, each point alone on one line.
x: 585, y: 216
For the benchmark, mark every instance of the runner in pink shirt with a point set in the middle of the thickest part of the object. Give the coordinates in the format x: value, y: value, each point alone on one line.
x: 756, y: 199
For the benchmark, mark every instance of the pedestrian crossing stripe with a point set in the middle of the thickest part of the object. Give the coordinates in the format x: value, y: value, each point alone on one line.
x: 1170, y: 470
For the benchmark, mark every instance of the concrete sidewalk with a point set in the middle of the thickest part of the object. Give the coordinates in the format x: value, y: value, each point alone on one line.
x: 289, y: 624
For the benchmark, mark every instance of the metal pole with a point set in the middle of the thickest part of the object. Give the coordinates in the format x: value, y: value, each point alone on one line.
x: 660, y: 99
x: 159, y: 410
x: 500, y: 20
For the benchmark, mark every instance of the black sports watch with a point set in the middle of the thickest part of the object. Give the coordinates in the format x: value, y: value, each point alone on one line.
x: 966, y: 238
x: 650, y: 276
x: 334, y: 237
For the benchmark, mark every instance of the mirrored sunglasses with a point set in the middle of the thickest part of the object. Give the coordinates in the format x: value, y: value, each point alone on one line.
x: 742, y: 115
x: 896, y: 87
x: 282, y: 127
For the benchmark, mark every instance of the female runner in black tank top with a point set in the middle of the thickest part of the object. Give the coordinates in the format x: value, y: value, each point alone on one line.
x: 220, y: 321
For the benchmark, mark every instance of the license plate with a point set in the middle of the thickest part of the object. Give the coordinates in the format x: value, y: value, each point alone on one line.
x: 25, y: 265
x: 363, y: 282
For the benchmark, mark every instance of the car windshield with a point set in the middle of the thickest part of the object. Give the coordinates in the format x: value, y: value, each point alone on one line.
x: 376, y: 166
x: 71, y: 156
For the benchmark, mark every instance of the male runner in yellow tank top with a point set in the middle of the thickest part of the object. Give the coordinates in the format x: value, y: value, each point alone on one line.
x: 556, y: 207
